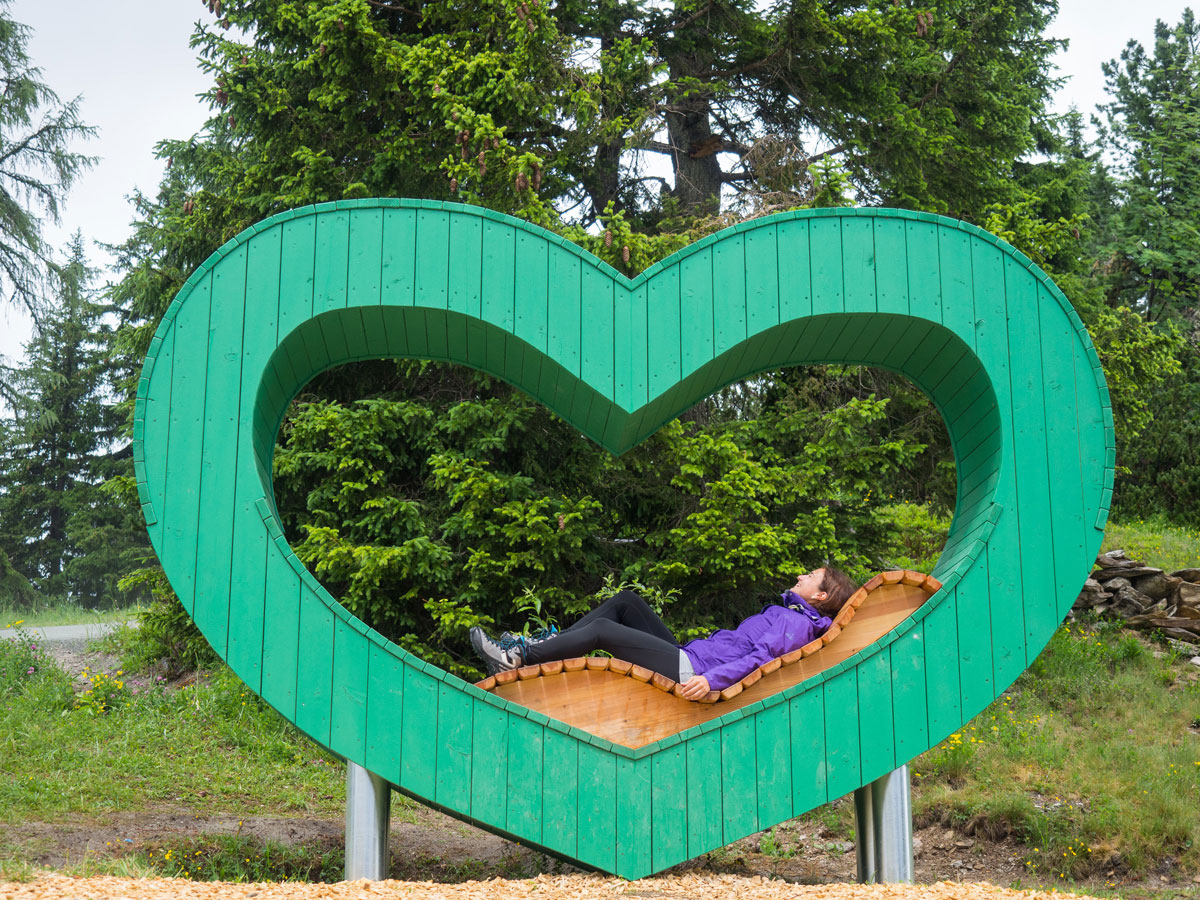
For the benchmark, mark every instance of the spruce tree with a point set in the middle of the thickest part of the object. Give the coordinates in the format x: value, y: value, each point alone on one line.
x: 60, y: 527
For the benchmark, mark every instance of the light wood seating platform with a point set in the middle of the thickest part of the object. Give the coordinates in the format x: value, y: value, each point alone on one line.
x: 633, y: 706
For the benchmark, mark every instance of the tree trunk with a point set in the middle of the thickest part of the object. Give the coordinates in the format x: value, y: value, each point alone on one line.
x: 689, y: 132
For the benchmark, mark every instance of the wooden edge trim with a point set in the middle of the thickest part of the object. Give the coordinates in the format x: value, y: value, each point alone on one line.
x: 662, y: 682
x: 768, y: 667
x: 857, y: 598
x: 830, y: 633
x: 732, y: 691
x: 812, y: 647
x: 893, y: 577
x: 712, y: 697
x: 872, y: 584
x: 916, y: 579
x: 597, y: 663
x: 793, y: 656
x: 753, y: 678
x: 641, y: 673
x: 487, y: 684
x: 552, y: 668
x: 843, y: 618
x: 506, y: 677
x: 527, y: 672
x: 620, y: 666
x: 575, y: 663
x: 932, y: 584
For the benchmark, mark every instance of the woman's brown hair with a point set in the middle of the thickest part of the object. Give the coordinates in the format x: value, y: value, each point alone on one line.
x: 838, y: 586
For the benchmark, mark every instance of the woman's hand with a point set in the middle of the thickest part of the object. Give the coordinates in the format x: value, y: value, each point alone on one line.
x: 696, y: 688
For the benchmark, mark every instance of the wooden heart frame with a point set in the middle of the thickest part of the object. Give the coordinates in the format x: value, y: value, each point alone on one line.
x: 973, y: 323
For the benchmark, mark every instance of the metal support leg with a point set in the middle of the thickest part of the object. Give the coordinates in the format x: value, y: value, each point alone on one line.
x: 368, y: 811
x: 883, y: 813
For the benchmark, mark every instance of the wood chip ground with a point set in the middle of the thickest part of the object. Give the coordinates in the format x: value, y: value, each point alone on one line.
x: 554, y: 887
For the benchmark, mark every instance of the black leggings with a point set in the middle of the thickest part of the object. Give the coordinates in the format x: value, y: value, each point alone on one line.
x: 622, y: 625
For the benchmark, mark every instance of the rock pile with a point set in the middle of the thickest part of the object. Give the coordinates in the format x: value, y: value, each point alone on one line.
x: 1144, y: 597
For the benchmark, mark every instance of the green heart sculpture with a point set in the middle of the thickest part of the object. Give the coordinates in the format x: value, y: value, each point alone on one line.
x: 966, y: 317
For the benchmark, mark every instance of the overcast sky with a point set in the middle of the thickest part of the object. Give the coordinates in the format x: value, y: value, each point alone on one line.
x: 130, y: 62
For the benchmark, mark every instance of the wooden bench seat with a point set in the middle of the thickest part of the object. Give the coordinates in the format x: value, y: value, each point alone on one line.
x: 633, y: 706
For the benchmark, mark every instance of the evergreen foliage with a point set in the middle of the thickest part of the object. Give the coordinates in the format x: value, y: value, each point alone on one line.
x: 37, y: 165
x: 60, y: 527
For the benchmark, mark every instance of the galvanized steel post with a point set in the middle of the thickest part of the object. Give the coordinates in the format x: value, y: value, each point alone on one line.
x: 368, y: 814
x: 883, y: 814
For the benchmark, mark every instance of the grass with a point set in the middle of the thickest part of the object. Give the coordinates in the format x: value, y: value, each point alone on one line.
x: 1092, y: 759
x: 46, y: 613
x: 214, y: 745
x: 1165, y: 546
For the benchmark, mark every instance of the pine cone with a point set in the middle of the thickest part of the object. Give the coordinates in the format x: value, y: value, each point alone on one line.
x: 522, y: 181
x: 607, y: 238
x: 625, y: 255
x: 454, y: 185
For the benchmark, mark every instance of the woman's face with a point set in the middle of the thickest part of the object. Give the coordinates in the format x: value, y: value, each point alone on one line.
x: 808, y: 585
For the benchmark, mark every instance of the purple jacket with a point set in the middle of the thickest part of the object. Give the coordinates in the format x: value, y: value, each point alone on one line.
x: 726, y: 657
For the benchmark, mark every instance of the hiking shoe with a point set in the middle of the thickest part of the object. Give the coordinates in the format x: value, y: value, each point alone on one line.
x: 509, y: 639
x: 498, y: 656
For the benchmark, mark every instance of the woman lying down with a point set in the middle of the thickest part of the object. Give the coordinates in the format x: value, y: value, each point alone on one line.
x: 625, y: 626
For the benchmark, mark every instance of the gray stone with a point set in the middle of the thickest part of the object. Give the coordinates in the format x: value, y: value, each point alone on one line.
x: 1108, y: 576
x: 1187, y: 594
x: 1158, y: 586
x: 1192, y: 575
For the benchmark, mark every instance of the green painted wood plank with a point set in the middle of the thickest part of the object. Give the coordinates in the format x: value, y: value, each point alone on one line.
x: 795, y: 270
x: 385, y: 699
x: 189, y: 379
x: 499, y: 273
x: 365, y: 274
x: 762, y: 279
x: 634, y: 834
x: 157, y: 437
x: 348, y: 717
x: 825, y: 237
x: 563, y: 334
x: 1090, y: 419
x: 314, y: 679
x: 597, y: 808
x: 524, y: 799
x: 465, y: 289
x: 858, y: 264
x: 806, y: 713
x: 842, y: 739
x: 298, y: 251
x: 419, y: 716
x: 773, y: 750
x: 924, y: 276
x: 695, y: 311
x: 1066, y: 475
x: 560, y: 792
x: 398, y: 277
x: 941, y: 668
x: 332, y: 261
x: 891, y: 266
x: 909, y: 706
x: 532, y: 291
x: 455, y: 749
x: 739, y: 791
x: 729, y: 292
x: 281, y: 634
x: 669, y: 805
x: 704, y: 830
x: 1039, y: 611
x: 489, y: 780
x: 631, y: 379
x: 958, y: 290
x: 596, y: 321
x: 878, y: 753
x: 432, y: 259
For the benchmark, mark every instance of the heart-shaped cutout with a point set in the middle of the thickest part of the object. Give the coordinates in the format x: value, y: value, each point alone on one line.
x: 963, y: 315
